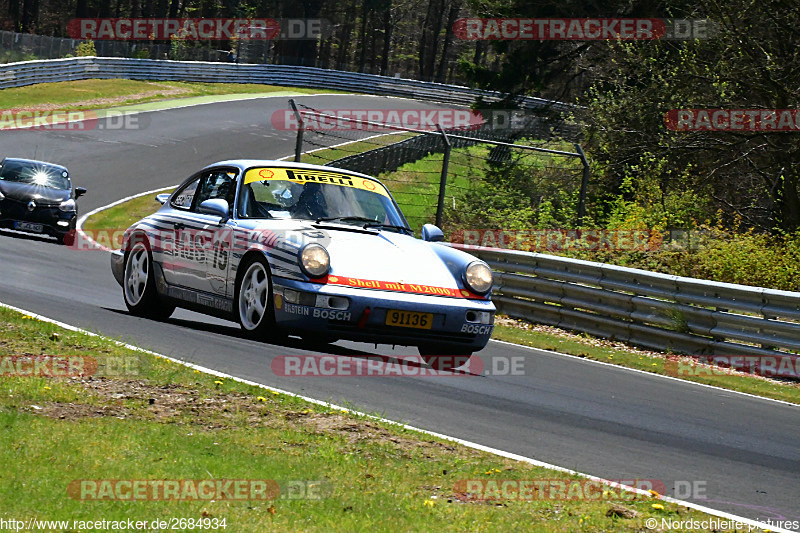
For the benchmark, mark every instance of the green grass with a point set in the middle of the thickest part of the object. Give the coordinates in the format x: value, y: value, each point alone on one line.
x: 71, y: 95
x: 160, y: 420
x: 327, y: 155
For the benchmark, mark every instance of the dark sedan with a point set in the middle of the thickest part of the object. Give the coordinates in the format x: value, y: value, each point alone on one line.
x: 37, y: 197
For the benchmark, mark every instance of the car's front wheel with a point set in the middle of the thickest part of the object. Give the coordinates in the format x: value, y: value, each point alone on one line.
x: 254, y: 300
x: 139, y: 285
x: 444, y: 356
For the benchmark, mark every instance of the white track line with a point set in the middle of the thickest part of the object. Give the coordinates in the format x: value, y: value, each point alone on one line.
x: 469, y: 444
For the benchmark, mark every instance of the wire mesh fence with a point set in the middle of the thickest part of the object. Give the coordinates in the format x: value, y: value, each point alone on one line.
x: 457, y: 178
x: 28, y: 47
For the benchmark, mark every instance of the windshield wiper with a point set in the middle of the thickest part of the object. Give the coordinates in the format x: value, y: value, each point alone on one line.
x: 347, y: 219
x: 389, y: 226
x: 368, y: 223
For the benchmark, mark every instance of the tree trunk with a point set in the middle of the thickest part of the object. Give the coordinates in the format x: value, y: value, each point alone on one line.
x: 455, y: 7
x: 174, y: 5
x: 81, y: 8
x: 787, y: 201
x: 30, y: 12
x: 362, y: 36
x: 429, y: 41
x: 388, y: 26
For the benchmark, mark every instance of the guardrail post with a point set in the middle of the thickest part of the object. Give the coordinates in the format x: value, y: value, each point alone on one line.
x: 443, y: 178
x: 584, y: 185
x: 301, y: 126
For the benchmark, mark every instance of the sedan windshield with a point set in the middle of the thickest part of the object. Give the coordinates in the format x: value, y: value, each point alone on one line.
x: 320, y: 196
x: 31, y: 173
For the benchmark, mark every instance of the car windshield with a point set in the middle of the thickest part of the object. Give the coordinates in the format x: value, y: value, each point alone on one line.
x: 40, y: 174
x: 318, y: 195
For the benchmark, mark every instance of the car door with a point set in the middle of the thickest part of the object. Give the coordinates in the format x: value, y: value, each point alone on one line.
x: 200, y: 243
x: 175, y: 254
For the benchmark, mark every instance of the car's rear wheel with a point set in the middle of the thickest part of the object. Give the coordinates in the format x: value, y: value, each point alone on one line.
x: 139, y: 285
x: 444, y: 356
x: 254, y: 300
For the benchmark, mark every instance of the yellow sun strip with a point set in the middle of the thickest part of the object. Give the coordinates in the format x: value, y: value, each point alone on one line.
x: 303, y: 176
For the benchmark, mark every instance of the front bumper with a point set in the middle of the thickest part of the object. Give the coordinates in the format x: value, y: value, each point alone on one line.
x: 459, y: 322
x: 118, y: 265
x: 53, y: 221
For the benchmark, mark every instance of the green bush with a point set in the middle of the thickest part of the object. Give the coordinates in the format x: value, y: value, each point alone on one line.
x: 85, y: 49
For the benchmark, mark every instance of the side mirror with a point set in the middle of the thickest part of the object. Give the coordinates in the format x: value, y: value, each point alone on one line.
x: 162, y: 198
x: 79, y: 191
x: 432, y: 233
x: 216, y: 207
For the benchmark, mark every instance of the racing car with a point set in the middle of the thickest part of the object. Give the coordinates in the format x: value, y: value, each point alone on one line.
x: 290, y: 248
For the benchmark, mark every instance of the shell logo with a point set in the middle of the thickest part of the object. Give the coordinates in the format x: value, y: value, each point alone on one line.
x: 333, y: 279
x: 266, y: 173
x: 368, y: 185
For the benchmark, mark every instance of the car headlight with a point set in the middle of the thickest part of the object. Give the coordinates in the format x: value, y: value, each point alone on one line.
x: 67, y: 205
x: 314, y: 260
x: 478, y: 277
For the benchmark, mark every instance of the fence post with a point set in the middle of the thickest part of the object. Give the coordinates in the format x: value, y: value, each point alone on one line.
x: 584, y: 185
x: 298, y: 145
x: 443, y: 178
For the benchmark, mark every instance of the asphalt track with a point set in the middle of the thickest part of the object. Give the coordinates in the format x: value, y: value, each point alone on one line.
x: 742, y: 452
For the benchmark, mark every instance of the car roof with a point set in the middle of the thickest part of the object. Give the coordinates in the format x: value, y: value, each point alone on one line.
x: 32, y: 162
x: 244, y: 164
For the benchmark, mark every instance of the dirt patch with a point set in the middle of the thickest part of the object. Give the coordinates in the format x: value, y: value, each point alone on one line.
x: 213, y: 410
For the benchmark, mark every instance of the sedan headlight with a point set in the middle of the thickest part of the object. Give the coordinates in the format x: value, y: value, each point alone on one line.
x: 478, y: 277
x: 67, y: 205
x: 314, y: 260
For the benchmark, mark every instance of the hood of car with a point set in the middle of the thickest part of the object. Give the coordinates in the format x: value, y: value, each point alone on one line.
x: 387, y: 256
x: 27, y: 192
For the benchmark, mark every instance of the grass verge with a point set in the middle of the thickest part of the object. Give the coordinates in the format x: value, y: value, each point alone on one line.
x: 100, y: 94
x: 142, y: 417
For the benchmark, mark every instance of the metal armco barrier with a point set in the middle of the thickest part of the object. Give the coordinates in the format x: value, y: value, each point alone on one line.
x: 656, y: 311
x: 80, y: 68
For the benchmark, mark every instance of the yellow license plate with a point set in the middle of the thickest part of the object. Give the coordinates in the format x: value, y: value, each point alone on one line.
x: 409, y: 319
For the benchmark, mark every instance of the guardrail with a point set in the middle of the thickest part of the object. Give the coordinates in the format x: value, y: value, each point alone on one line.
x: 656, y: 311
x: 79, y: 68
